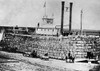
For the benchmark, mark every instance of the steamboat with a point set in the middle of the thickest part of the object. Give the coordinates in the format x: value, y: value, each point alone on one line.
x: 54, y: 42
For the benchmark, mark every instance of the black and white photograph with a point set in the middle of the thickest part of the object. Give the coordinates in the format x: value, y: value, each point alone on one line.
x: 49, y: 35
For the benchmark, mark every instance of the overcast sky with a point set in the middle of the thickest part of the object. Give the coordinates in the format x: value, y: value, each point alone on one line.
x: 29, y: 12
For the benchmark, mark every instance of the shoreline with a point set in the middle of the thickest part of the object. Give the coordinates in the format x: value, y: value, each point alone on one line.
x: 52, y: 63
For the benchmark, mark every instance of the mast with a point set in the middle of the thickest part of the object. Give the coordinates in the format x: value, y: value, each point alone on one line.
x: 81, y: 22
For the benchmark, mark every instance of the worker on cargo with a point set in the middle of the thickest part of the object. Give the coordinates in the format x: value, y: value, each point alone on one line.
x: 90, y: 55
x: 70, y: 57
x: 69, y: 54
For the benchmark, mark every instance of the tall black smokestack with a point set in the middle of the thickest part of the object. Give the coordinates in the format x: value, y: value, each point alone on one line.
x: 70, y: 18
x: 62, y: 17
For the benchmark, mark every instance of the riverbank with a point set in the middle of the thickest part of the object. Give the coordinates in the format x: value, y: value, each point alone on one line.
x: 34, y: 64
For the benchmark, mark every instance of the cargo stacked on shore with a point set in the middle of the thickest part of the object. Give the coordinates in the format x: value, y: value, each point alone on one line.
x: 55, y: 47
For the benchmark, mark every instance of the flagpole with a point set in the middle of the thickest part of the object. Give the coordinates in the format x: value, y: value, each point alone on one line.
x: 45, y: 8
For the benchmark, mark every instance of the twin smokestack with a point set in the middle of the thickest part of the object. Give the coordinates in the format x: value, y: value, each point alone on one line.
x: 62, y: 17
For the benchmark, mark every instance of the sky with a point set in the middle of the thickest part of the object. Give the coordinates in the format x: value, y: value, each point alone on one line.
x: 27, y: 13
